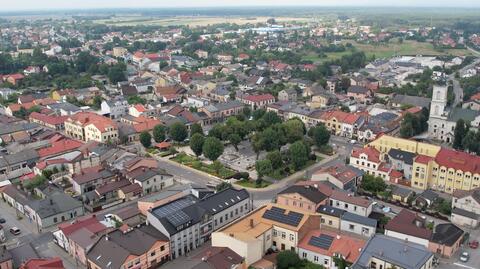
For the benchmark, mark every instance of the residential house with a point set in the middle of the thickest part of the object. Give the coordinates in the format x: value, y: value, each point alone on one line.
x: 78, y: 237
x: 446, y: 239
x: 56, y: 208
x: 114, y: 108
x: 410, y: 227
x: 140, y: 247
x: 359, y: 93
x: 323, y: 246
x: 257, y: 101
x: 426, y: 199
x: 306, y: 198
x: 271, y: 226
x: 402, y: 161
x: 330, y: 216
x: 220, y: 111
x: 151, y: 179
x: 218, y: 258
x: 353, y: 204
x: 466, y: 208
x: 287, y: 95
x: 188, y: 222
x: 401, y: 194
x: 399, y: 253
x: 47, y: 263
x: 87, y: 126
x: 88, y: 179
x: 56, y: 123
x: 344, y: 177
x: 357, y: 224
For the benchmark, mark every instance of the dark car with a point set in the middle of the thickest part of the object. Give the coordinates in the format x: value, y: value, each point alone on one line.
x: 2, y: 220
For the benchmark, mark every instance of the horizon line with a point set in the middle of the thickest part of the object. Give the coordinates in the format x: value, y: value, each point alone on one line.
x: 46, y: 9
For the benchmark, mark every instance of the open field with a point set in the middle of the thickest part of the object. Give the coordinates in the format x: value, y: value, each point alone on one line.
x: 191, y: 21
x: 408, y: 47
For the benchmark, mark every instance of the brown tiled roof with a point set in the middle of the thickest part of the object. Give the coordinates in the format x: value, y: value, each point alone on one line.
x: 405, y: 223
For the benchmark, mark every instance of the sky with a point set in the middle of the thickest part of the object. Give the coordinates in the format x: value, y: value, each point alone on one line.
x: 88, y: 4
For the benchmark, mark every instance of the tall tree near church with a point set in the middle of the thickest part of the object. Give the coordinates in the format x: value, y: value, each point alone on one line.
x: 459, y: 134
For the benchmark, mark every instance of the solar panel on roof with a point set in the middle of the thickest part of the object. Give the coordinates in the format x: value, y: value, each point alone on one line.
x: 278, y: 214
x: 178, y: 218
x: 323, y: 241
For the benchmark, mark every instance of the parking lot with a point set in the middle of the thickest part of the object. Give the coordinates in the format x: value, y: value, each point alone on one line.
x: 472, y: 263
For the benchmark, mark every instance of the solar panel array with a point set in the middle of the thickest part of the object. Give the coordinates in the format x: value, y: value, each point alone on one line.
x: 178, y: 218
x: 323, y: 241
x: 278, y: 214
x: 171, y: 208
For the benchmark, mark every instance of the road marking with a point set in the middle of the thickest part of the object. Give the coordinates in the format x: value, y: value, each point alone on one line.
x: 462, y: 265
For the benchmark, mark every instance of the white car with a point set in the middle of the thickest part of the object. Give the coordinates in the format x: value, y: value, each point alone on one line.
x: 353, y: 141
x: 464, y: 257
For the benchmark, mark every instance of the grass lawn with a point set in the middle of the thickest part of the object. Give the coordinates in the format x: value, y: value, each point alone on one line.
x: 252, y: 184
x: 314, y: 57
x: 222, y: 172
x: 408, y: 47
x: 191, y: 21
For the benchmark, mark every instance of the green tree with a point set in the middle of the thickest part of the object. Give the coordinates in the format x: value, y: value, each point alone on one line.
x: 373, y: 184
x: 294, y: 130
x: 223, y: 186
x: 263, y: 167
x: 321, y: 135
x: 287, y: 260
x: 196, y: 143
x: 459, y: 134
x: 212, y: 148
x: 196, y: 129
x: 159, y: 132
x: 146, y: 139
x: 275, y: 158
x: 116, y: 74
x: 97, y: 102
x: 216, y: 131
x: 235, y: 139
x: 178, y: 131
x: 298, y: 154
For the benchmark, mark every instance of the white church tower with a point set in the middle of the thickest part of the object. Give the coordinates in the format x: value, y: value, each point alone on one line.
x: 438, y: 113
x: 439, y: 101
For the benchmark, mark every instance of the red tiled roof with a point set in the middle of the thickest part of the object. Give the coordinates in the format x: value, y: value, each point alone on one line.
x: 349, y: 247
x: 259, y: 98
x: 53, y: 120
x: 404, y: 223
x: 373, y: 155
x: 89, y: 222
x: 50, y: 263
x: 423, y: 159
x: 458, y: 160
x: 86, y: 118
x: 163, y: 145
x: 59, y: 147
x: 140, y: 108
x: 346, y: 197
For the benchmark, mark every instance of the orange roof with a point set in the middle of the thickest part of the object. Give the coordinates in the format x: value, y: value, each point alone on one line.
x: 59, y: 147
x: 140, y: 108
x: 348, y: 246
x: 16, y: 107
x: 53, y: 120
x: 44, y: 101
x: 146, y: 125
x: 373, y: 155
x: 87, y: 118
x: 341, y: 116
x: 163, y: 145
x: 475, y: 97
x: 48, y: 263
x: 458, y: 160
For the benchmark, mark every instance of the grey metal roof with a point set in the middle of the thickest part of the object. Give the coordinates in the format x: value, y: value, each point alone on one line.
x: 446, y: 234
x: 13, y: 128
x: 462, y: 113
x: 19, y: 157
x: 398, y: 252
x: 195, y: 209
x: 402, y: 192
x: 465, y: 213
x: 347, y: 216
x: 56, y: 203
x: 331, y: 211
x: 411, y: 100
x: 405, y: 156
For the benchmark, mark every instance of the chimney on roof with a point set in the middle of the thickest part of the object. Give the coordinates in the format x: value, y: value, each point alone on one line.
x: 251, y: 223
x: 51, y: 202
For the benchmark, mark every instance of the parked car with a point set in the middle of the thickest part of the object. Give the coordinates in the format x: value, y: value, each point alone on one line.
x: 15, y: 231
x: 473, y: 244
x: 2, y: 220
x: 464, y: 257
